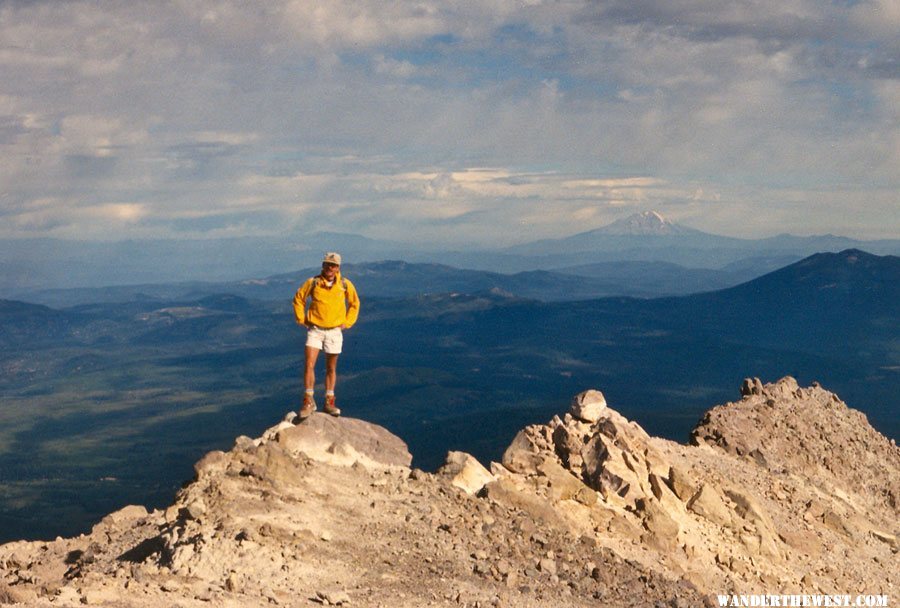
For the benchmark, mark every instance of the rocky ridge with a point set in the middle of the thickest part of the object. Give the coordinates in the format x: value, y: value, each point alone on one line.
x: 785, y: 491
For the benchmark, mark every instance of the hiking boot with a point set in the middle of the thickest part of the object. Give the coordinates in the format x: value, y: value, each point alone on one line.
x: 330, y: 408
x: 309, y: 406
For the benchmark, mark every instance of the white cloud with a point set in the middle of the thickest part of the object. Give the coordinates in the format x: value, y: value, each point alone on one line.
x: 375, y: 115
x: 394, y: 68
x: 880, y: 18
x: 117, y: 212
x: 95, y: 135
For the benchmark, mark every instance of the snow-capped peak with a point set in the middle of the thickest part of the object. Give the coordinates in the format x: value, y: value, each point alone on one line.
x: 648, y: 222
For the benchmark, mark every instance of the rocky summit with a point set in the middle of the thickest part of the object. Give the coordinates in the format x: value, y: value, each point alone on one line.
x: 786, y: 491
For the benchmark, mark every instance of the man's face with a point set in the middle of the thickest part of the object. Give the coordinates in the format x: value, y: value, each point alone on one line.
x: 329, y: 270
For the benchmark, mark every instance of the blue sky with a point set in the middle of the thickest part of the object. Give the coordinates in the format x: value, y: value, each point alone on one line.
x: 458, y: 122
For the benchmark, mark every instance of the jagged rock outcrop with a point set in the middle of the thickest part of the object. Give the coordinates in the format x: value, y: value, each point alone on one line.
x: 810, y: 432
x: 585, y: 510
x: 752, y: 505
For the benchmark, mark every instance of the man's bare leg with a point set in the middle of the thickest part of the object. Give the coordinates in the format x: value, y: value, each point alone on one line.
x: 330, y: 381
x: 309, y: 376
x: 330, y: 371
x: 309, y: 382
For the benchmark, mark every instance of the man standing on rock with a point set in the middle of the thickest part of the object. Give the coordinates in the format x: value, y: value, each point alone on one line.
x: 333, y: 307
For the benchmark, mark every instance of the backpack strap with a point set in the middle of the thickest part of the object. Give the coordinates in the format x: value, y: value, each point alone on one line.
x: 315, y: 284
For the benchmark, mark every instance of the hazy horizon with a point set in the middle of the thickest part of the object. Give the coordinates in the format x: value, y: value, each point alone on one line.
x: 418, y: 244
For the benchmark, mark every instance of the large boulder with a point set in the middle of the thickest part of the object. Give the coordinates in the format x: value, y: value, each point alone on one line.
x: 762, y: 537
x: 540, y: 510
x: 344, y: 441
x: 709, y: 504
x: 588, y: 406
x: 465, y: 472
x: 524, y: 453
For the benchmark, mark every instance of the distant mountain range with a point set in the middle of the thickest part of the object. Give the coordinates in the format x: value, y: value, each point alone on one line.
x: 651, y: 237
x: 397, y: 279
x: 34, y: 264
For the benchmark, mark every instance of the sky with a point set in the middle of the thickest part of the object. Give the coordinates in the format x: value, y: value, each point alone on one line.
x: 460, y: 122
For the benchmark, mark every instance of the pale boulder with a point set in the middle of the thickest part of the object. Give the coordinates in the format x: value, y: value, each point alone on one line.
x: 522, y: 455
x: 708, y: 504
x: 588, y: 406
x: 682, y: 484
x: 465, y: 472
x: 317, y: 435
x: 562, y: 484
x: 126, y: 514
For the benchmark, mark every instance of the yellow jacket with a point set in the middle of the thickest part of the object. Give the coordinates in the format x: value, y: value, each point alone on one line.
x: 329, y: 306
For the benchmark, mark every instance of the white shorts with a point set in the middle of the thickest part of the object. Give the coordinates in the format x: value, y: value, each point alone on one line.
x: 329, y: 340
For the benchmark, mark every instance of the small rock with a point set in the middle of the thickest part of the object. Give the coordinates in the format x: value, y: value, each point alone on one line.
x: 170, y: 586
x: 195, y: 510
x: 126, y: 514
x: 213, y: 461
x: 94, y: 597
x: 465, y: 472
x: 751, y: 386
x: 243, y: 443
x: 172, y: 513
x: 588, y: 406
x: 890, y: 539
x: 232, y: 583
x: 512, y: 579
x: 67, y: 595
x: 586, y: 496
x: 547, y: 565
x: 333, y: 598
